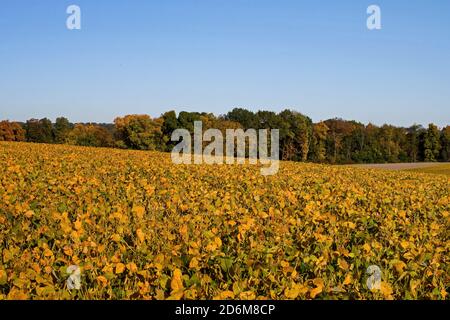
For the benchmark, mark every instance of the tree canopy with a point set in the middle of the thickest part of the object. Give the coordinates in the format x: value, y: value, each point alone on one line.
x: 331, y: 141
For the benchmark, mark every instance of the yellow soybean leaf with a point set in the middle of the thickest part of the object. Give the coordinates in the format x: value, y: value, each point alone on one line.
x: 140, y: 234
x: 386, y: 290
x: 183, y: 230
x: 399, y: 266
x: 319, y: 288
x: 225, y: 295
x: 138, y: 211
x: 194, y: 263
x: 132, y: 267
x: 348, y: 279
x: 343, y: 264
x: 404, y: 244
x: 78, y: 225
x: 3, y: 277
x: 103, y: 281
x: 120, y: 267
x: 314, y: 292
x: 29, y: 213
x: 177, y: 282
x: 218, y: 242
x: 247, y: 295
x: 48, y: 253
x: 296, y: 290
x: 116, y: 237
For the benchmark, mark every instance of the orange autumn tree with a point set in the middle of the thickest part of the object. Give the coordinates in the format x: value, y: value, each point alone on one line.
x: 11, y: 131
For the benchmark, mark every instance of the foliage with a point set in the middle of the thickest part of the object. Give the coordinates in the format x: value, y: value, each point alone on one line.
x: 40, y: 131
x: 140, y: 227
x: 169, y: 125
x: 62, y: 129
x: 89, y: 135
x: 445, y: 144
x: 11, y: 131
x: 318, y: 147
x: 335, y: 141
x: 139, y: 132
x: 432, y: 144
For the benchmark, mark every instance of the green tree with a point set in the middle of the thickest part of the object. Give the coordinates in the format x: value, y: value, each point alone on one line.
x: 389, y: 144
x: 318, y: 144
x: 246, y: 118
x: 170, y: 124
x: 338, y: 130
x: 295, y: 136
x: 61, y: 129
x: 432, y: 145
x: 413, y: 142
x: 186, y: 120
x: 40, y: 131
x: 89, y: 135
x: 445, y: 143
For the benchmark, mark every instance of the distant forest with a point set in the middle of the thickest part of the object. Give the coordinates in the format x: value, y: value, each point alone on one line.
x: 331, y: 141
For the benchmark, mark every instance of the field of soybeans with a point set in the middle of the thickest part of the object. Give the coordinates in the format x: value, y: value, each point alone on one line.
x: 139, y: 227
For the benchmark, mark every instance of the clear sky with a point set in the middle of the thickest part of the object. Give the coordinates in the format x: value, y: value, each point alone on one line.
x: 316, y: 57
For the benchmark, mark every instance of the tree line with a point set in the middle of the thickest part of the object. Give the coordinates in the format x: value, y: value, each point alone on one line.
x: 332, y: 141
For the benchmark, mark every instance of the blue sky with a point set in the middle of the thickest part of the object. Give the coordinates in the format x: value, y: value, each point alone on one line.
x: 316, y: 57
